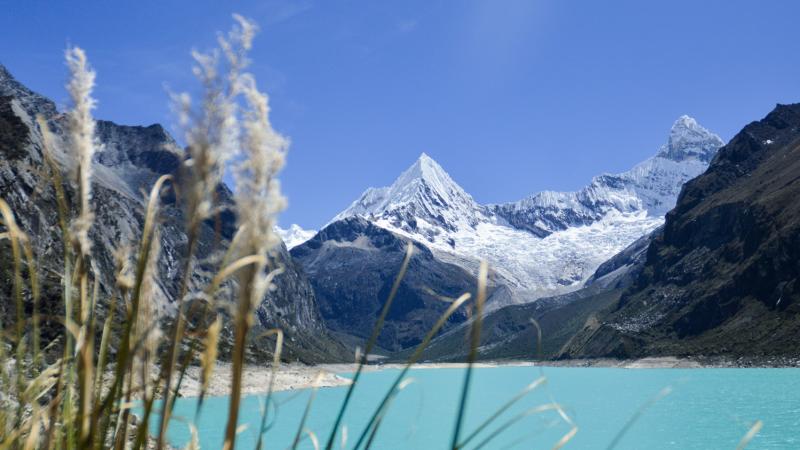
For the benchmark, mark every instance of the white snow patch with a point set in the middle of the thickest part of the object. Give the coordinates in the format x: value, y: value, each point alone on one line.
x: 294, y: 235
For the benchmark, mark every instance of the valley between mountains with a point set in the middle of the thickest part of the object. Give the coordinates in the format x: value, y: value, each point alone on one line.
x: 548, y: 244
x: 692, y: 252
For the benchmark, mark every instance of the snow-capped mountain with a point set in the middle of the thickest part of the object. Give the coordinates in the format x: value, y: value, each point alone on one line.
x: 294, y: 235
x: 651, y: 186
x: 423, y: 201
x: 550, y: 242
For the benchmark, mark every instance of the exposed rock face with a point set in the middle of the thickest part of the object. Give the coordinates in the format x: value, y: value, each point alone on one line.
x: 722, y: 277
x: 352, y: 265
x: 622, y: 269
x: 132, y: 158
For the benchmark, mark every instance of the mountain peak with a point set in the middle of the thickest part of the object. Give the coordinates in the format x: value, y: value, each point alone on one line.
x: 4, y: 73
x: 426, y: 169
x: 423, y: 191
x: 32, y: 102
x: 685, y: 121
x: 688, y: 139
x: 294, y: 235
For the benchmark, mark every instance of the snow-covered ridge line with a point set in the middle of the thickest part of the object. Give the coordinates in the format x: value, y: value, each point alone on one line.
x: 423, y: 191
x: 294, y: 235
x: 652, y: 185
x: 549, y: 242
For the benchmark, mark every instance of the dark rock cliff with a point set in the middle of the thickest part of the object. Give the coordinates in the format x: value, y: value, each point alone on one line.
x: 722, y: 276
x: 132, y: 158
x: 352, y: 265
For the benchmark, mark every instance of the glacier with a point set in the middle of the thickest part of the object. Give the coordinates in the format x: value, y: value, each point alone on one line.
x: 547, y: 243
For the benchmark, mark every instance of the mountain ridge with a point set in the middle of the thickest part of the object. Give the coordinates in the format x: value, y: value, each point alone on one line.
x: 127, y: 162
x: 567, y: 233
x: 353, y: 263
x: 721, y: 278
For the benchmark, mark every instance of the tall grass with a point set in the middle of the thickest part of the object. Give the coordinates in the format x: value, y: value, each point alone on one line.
x: 82, y: 398
x: 109, y: 365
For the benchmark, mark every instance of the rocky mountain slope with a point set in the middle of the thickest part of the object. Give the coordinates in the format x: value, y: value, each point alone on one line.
x: 722, y: 276
x: 512, y: 332
x: 352, y: 264
x: 130, y: 160
x: 551, y: 242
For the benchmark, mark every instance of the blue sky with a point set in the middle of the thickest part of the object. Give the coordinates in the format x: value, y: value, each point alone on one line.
x: 510, y: 96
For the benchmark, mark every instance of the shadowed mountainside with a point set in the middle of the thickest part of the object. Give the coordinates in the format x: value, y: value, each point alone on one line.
x: 722, y: 276
x: 127, y: 165
x: 352, y: 265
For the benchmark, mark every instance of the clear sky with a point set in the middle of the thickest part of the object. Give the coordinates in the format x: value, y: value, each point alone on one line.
x: 510, y: 96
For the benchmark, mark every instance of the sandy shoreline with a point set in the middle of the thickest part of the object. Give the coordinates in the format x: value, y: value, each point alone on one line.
x: 256, y: 379
x: 297, y: 376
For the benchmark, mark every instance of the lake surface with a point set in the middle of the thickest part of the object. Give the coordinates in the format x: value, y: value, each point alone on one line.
x: 705, y: 409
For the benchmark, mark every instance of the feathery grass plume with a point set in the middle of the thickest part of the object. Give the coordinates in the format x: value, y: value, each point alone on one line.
x: 122, y: 261
x: 258, y: 196
x: 258, y: 202
x: 212, y: 134
x: 82, y: 144
x: 147, y: 334
x: 81, y: 128
x: 35, y: 423
x: 147, y: 338
x: 41, y: 385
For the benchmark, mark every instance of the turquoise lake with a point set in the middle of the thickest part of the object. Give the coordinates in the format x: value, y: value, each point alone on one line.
x: 705, y: 409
